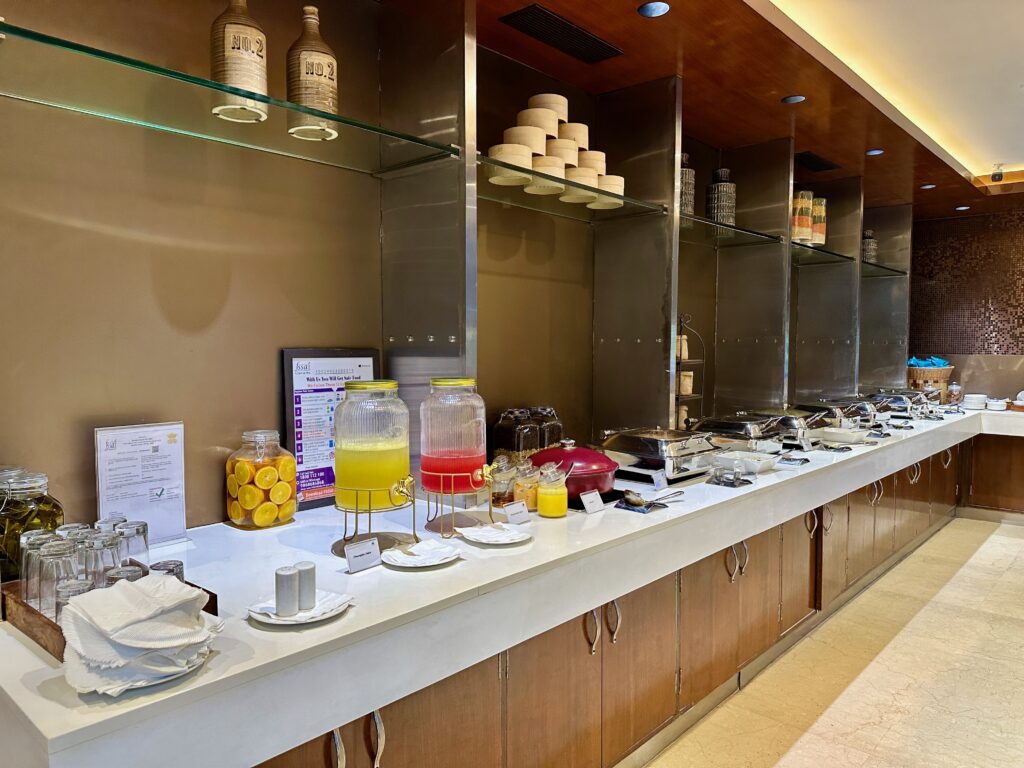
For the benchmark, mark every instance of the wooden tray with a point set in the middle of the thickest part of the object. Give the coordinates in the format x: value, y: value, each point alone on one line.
x: 44, y: 630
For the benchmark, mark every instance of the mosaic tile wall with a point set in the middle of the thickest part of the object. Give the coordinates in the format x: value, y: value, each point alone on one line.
x: 967, y: 291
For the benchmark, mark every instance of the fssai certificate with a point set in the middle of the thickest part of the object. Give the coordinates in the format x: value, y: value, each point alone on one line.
x: 140, y: 475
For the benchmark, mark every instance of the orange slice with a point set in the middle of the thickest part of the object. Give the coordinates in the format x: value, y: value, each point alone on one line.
x: 287, y: 511
x: 230, y: 467
x: 280, y: 493
x: 265, y: 514
x: 250, y: 497
x: 266, y: 477
x: 235, y: 512
x: 232, y: 487
x: 243, y: 472
x: 286, y: 468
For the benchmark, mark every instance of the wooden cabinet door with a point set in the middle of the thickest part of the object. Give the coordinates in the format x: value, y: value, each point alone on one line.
x: 638, y: 677
x: 997, y: 465
x: 709, y: 614
x: 759, y: 594
x: 922, y: 497
x: 912, y: 491
x: 945, y: 479
x: 319, y: 753
x: 799, y: 568
x: 885, y: 520
x: 832, y: 552
x: 860, y: 543
x: 553, y: 698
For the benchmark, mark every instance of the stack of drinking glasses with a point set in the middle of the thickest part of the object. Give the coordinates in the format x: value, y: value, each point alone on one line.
x: 76, y: 558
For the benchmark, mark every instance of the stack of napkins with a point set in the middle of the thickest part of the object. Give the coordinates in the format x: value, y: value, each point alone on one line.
x: 423, y: 554
x: 135, y: 634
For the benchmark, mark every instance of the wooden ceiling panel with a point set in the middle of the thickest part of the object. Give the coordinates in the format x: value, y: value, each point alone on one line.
x: 736, y: 67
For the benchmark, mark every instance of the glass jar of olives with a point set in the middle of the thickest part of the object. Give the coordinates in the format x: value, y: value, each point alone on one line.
x: 25, y: 505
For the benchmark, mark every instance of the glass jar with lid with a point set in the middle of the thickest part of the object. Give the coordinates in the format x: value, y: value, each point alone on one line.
x: 261, y: 481
x: 371, y: 447
x: 549, y: 424
x: 25, y: 505
x: 516, y: 435
x: 552, y: 495
x: 453, y: 437
x: 525, y: 488
x: 503, y: 480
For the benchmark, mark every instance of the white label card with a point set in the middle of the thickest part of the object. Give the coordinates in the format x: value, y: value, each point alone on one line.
x: 516, y: 512
x: 660, y: 480
x: 592, y: 502
x: 362, y: 555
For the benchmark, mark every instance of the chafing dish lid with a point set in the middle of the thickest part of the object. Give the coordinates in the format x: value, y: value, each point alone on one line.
x: 746, y: 425
x: 658, y: 443
x: 796, y: 418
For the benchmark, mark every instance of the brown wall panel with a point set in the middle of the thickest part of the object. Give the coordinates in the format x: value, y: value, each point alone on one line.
x: 535, y: 315
x: 151, y: 277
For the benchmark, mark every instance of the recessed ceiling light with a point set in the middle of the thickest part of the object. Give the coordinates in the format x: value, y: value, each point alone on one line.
x: 963, y: 207
x: 794, y: 99
x: 653, y: 10
x: 928, y: 186
x: 874, y: 152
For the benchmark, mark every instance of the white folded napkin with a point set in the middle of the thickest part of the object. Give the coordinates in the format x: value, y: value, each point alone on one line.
x: 423, y: 553
x: 129, y: 602
x: 498, y: 533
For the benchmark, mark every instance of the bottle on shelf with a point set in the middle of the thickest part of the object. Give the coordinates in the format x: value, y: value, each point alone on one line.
x: 312, y: 81
x: 722, y: 199
x: 238, y: 57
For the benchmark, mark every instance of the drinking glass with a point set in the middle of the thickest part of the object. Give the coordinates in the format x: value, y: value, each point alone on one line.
x: 174, y: 568
x: 31, y: 543
x: 102, y: 552
x: 56, y: 563
x: 64, y: 530
x: 68, y: 588
x: 109, y: 524
x: 134, y: 542
x: 122, y: 573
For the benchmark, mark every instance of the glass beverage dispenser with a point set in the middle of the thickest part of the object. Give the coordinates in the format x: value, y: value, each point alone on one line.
x: 453, y: 437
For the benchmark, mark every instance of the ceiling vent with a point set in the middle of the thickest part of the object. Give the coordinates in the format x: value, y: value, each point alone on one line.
x: 550, y: 28
x: 814, y: 163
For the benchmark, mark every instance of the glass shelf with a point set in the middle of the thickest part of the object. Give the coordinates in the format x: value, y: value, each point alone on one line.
x: 805, y: 255
x: 870, y: 269
x: 696, y: 230
x: 57, y: 73
x: 687, y: 398
x: 517, y: 197
x: 689, y: 362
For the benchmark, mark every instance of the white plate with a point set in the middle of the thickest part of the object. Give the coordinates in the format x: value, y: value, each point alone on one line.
x: 511, y: 534
x: 395, y: 558
x: 328, y: 605
x: 754, y: 463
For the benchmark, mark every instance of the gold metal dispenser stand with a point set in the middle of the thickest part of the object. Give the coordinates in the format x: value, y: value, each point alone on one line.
x: 443, y: 516
x: 401, y: 495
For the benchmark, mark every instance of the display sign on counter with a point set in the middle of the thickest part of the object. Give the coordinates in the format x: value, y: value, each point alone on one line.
x: 140, y: 475
x: 314, y: 386
x: 362, y: 555
x: 592, y: 501
x: 516, y: 512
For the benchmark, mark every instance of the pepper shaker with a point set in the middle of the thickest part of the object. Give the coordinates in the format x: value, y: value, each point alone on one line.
x: 307, y: 585
x: 286, y: 591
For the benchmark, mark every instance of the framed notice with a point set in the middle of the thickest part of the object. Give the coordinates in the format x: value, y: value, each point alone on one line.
x: 140, y: 475
x: 314, y: 386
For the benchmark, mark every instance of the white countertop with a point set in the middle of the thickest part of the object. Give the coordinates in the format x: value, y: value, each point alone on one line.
x: 272, y: 689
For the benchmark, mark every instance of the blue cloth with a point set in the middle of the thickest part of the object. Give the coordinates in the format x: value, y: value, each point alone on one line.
x: 928, y: 362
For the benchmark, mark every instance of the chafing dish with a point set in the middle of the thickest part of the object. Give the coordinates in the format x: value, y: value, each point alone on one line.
x: 919, y: 403
x: 643, y: 452
x: 795, y: 425
x: 743, y: 431
x: 866, y: 411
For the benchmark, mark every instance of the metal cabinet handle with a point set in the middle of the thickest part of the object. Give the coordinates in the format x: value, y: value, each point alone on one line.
x: 340, y: 761
x: 732, y: 573
x: 826, y: 529
x: 873, y: 499
x: 881, y: 490
x: 618, y: 620
x: 914, y: 471
x: 378, y: 723
x: 814, y: 525
x: 597, y: 634
x: 947, y: 454
x: 746, y: 558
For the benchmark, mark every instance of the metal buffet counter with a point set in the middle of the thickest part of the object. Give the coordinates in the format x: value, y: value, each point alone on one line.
x: 265, y: 691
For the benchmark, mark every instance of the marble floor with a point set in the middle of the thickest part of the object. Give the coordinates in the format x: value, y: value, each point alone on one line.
x: 924, y: 669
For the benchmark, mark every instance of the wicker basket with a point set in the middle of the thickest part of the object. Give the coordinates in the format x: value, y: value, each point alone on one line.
x: 920, y: 378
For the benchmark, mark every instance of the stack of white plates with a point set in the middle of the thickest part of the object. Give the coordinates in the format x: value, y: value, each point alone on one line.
x: 975, y: 402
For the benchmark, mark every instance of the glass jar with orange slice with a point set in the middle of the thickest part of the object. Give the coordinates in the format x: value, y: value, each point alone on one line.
x: 260, y: 482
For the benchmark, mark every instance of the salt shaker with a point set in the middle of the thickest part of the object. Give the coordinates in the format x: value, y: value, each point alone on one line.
x: 307, y: 585
x: 286, y: 591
